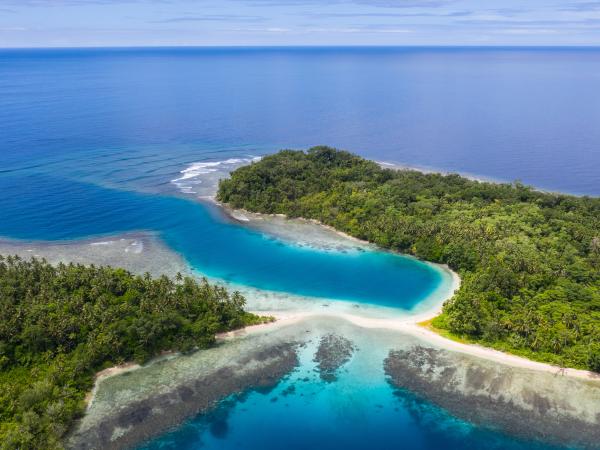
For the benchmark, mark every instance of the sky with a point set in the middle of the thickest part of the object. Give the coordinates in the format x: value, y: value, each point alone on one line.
x: 104, y: 23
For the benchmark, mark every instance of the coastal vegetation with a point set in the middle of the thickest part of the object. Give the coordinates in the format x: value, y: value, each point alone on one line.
x: 59, y: 325
x: 529, y: 260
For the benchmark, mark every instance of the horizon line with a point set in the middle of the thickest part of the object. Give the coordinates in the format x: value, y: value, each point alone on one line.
x: 300, y: 46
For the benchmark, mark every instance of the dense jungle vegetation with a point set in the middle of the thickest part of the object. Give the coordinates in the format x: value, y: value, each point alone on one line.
x: 529, y: 261
x: 60, y: 325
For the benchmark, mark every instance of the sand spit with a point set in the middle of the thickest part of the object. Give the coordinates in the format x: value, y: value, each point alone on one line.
x: 319, y: 235
x: 554, y: 409
x: 131, y: 404
x: 499, y: 357
x: 136, y: 405
x: 408, y: 326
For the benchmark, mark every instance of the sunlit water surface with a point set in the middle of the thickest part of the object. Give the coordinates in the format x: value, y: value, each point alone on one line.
x: 98, y: 142
x: 359, y: 410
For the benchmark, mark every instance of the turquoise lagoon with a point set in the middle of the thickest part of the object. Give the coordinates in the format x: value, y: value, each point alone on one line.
x: 359, y: 410
x: 101, y: 142
x: 55, y: 209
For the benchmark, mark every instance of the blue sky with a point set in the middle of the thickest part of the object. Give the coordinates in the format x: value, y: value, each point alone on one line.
x: 52, y: 23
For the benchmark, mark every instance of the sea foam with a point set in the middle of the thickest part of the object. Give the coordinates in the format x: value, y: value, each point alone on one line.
x: 208, y: 174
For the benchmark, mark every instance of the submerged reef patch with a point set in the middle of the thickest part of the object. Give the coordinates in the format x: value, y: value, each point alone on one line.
x: 140, y: 420
x: 333, y: 352
x: 555, y: 409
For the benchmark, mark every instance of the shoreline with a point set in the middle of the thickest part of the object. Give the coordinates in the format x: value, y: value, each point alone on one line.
x: 411, y: 326
x: 160, y: 395
x: 470, y: 176
x: 411, y: 323
x: 408, y: 324
x: 113, y: 404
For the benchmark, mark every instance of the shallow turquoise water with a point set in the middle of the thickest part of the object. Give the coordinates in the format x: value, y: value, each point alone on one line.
x: 93, y: 142
x: 358, y: 411
x: 52, y: 208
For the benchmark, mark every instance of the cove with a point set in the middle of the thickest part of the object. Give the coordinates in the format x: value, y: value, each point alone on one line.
x: 49, y: 208
x: 358, y: 410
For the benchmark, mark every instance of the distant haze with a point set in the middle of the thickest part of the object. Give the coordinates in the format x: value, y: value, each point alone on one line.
x: 73, y: 23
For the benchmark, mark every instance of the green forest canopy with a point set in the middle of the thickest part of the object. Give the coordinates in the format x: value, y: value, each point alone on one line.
x: 529, y: 260
x: 60, y: 325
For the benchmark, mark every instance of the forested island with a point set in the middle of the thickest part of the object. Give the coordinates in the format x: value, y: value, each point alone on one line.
x: 529, y: 260
x: 59, y: 325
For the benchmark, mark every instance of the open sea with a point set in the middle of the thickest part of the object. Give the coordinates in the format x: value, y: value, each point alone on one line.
x: 103, y: 141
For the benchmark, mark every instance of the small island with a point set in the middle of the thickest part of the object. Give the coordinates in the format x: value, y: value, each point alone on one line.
x: 529, y: 260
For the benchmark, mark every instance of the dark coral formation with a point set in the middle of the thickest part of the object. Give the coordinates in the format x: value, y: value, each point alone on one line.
x: 149, y: 417
x: 494, y: 396
x: 334, y: 351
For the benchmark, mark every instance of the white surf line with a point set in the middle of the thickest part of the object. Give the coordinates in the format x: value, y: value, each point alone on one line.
x: 195, y: 173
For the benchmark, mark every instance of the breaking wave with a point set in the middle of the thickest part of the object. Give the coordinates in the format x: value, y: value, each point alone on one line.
x: 202, y: 178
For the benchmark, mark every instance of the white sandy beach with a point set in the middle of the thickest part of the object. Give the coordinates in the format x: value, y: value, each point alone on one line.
x: 410, y: 325
x: 144, y: 252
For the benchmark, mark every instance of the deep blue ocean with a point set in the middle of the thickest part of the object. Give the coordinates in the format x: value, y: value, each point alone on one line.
x: 527, y: 114
x: 103, y: 141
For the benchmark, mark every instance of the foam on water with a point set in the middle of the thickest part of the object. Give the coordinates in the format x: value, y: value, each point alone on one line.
x: 211, y: 242
x: 68, y: 174
x: 136, y: 247
x: 393, y: 104
x: 208, y: 174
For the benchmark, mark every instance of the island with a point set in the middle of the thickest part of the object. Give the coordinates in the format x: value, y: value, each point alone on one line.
x: 93, y: 356
x: 529, y: 260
